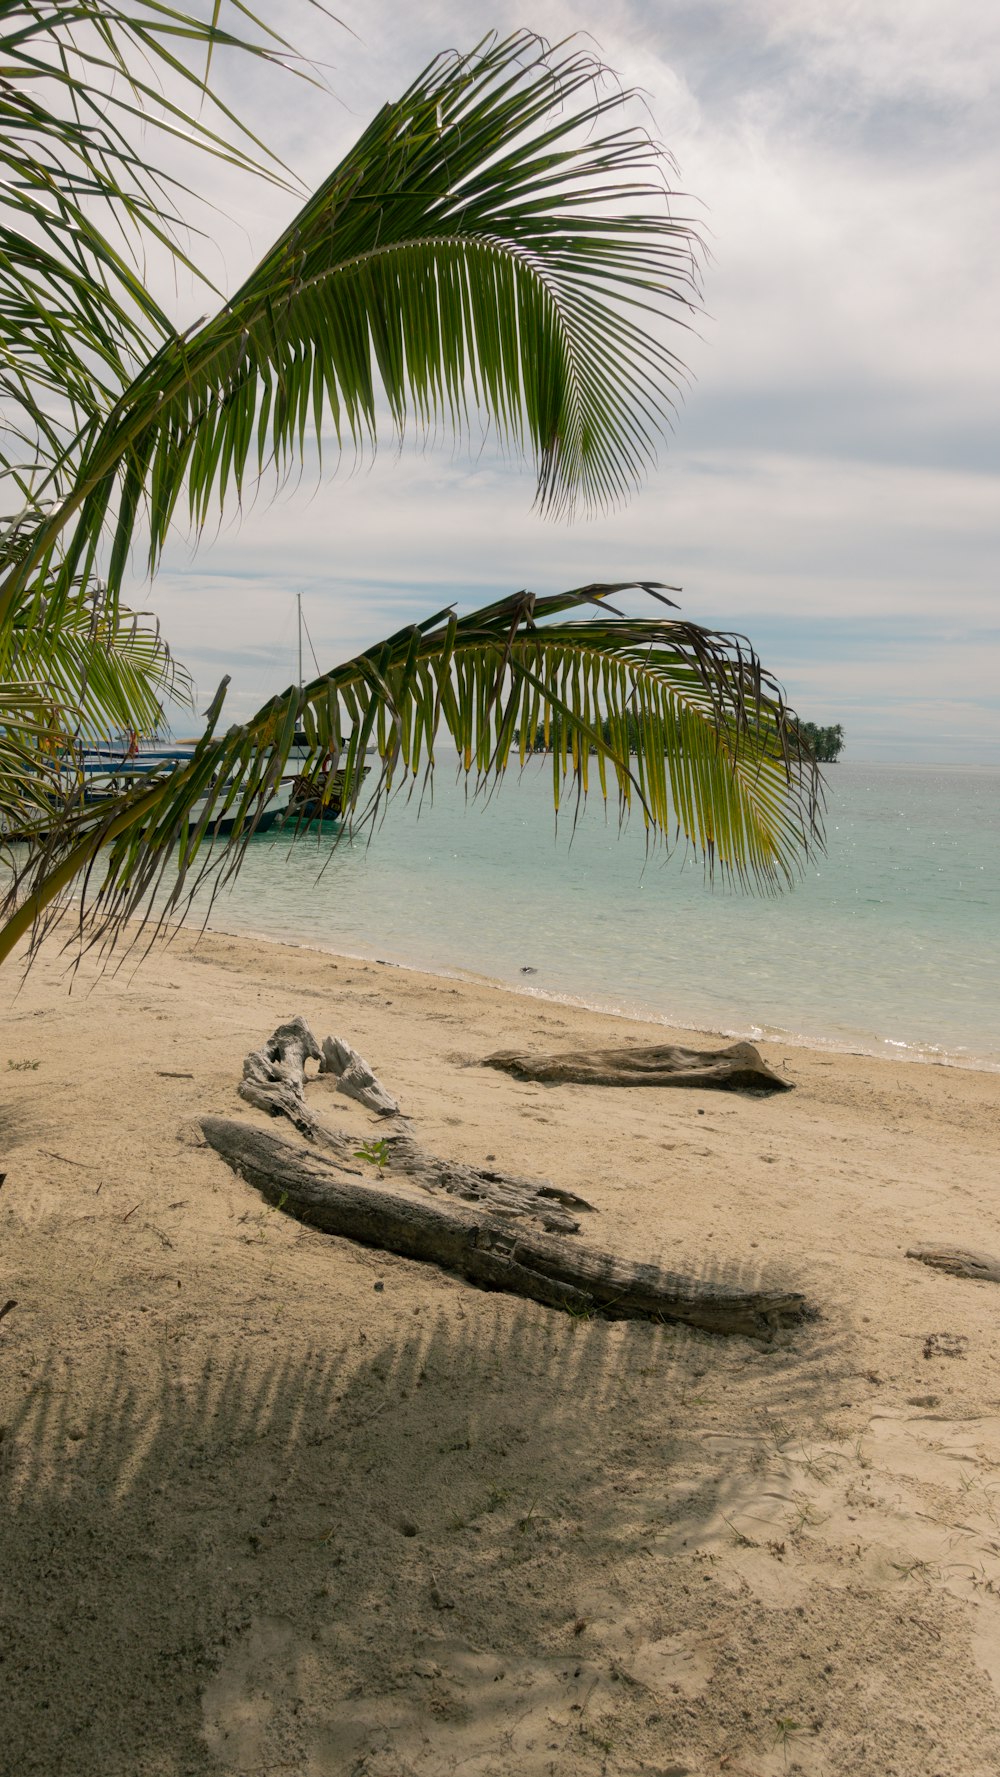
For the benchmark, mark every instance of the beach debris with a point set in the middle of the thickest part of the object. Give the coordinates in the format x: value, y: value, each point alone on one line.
x: 86, y: 1165
x: 736, y: 1069
x: 958, y: 1261
x: 274, y: 1076
x: 276, y: 1073
x: 8, y: 1306
x: 945, y: 1344
x: 355, y: 1078
x: 274, y: 1080
x: 310, y: 1184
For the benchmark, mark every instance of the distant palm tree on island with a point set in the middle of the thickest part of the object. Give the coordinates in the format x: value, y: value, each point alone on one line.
x: 825, y: 744
x: 499, y: 245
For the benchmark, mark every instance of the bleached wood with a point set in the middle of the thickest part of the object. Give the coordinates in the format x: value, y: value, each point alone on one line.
x: 274, y: 1081
x: 562, y: 1274
x: 355, y: 1078
x: 959, y: 1261
x: 736, y: 1069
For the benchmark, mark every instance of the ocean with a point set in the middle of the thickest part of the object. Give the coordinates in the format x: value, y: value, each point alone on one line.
x: 890, y: 943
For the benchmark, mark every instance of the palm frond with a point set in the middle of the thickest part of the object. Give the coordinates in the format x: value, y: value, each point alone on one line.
x: 100, y: 670
x: 498, y: 241
x: 32, y: 745
x: 81, y: 83
x: 718, y: 763
x: 112, y: 668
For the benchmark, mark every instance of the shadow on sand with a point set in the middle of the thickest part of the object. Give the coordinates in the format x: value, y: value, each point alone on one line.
x: 224, y: 1560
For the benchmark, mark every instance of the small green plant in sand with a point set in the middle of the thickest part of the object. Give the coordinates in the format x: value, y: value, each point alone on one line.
x: 23, y: 1067
x: 817, y: 1466
x: 740, y: 1537
x: 922, y: 1569
x: 779, y: 1433
x: 981, y: 1581
x: 524, y: 1524
x: 785, y: 1730
x: 979, y: 1497
x: 375, y: 1152
x: 804, y: 1514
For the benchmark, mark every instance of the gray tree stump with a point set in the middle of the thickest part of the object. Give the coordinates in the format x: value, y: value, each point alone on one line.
x: 313, y: 1187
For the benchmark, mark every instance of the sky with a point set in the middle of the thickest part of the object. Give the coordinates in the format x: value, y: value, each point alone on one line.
x: 830, y: 489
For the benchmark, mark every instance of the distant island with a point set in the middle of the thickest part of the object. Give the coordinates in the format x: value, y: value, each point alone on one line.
x: 826, y: 743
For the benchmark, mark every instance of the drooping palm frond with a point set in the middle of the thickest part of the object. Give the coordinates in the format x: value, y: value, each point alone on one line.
x: 718, y: 762
x: 499, y: 239
x: 100, y: 671
x: 111, y: 665
x: 83, y: 83
x: 33, y: 740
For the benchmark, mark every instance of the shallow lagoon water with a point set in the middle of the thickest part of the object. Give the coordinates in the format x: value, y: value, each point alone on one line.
x: 890, y: 942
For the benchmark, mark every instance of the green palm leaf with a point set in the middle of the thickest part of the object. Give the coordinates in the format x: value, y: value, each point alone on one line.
x: 498, y: 241
x: 498, y: 248
x: 80, y: 203
x: 719, y: 765
x: 101, y: 669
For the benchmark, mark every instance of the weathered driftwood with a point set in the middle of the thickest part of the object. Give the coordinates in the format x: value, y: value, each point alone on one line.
x: 736, y: 1069
x: 502, y: 1193
x: 355, y: 1078
x: 274, y: 1080
x: 314, y: 1188
x: 279, y: 1068
x: 959, y: 1261
x: 274, y: 1076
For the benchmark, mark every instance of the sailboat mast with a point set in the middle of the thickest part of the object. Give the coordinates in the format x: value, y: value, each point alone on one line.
x: 298, y: 601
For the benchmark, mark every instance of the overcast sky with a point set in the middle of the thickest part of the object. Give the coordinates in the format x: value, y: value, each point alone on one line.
x: 831, y: 486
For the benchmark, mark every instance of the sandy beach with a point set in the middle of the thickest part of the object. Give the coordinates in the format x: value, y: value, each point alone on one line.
x: 271, y: 1502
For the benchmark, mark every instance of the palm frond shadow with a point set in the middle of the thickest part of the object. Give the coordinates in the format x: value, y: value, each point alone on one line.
x: 152, y: 1519
x: 18, y: 1122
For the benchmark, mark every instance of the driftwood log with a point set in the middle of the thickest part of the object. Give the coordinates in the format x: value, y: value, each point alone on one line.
x: 317, y: 1189
x: 736, y: 1069
x: 958, y: 1261
x: 355, y: 1078
x: 274, y: 1080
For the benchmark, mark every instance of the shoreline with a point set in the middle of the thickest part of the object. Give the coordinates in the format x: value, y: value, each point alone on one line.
x: 889, y: 1051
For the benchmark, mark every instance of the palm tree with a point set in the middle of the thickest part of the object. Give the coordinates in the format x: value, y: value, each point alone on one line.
x: 499, y: 243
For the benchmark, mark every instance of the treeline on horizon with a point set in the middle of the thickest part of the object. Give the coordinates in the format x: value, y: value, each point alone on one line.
x: 826, y: 744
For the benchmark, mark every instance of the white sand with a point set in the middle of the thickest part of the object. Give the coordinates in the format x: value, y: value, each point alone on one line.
x: 258, y: 1516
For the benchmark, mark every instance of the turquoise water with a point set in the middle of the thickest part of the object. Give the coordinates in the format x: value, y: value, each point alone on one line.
x: 890, y: 943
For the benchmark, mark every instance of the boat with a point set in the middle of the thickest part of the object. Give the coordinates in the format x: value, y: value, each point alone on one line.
x: 300, y: 800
